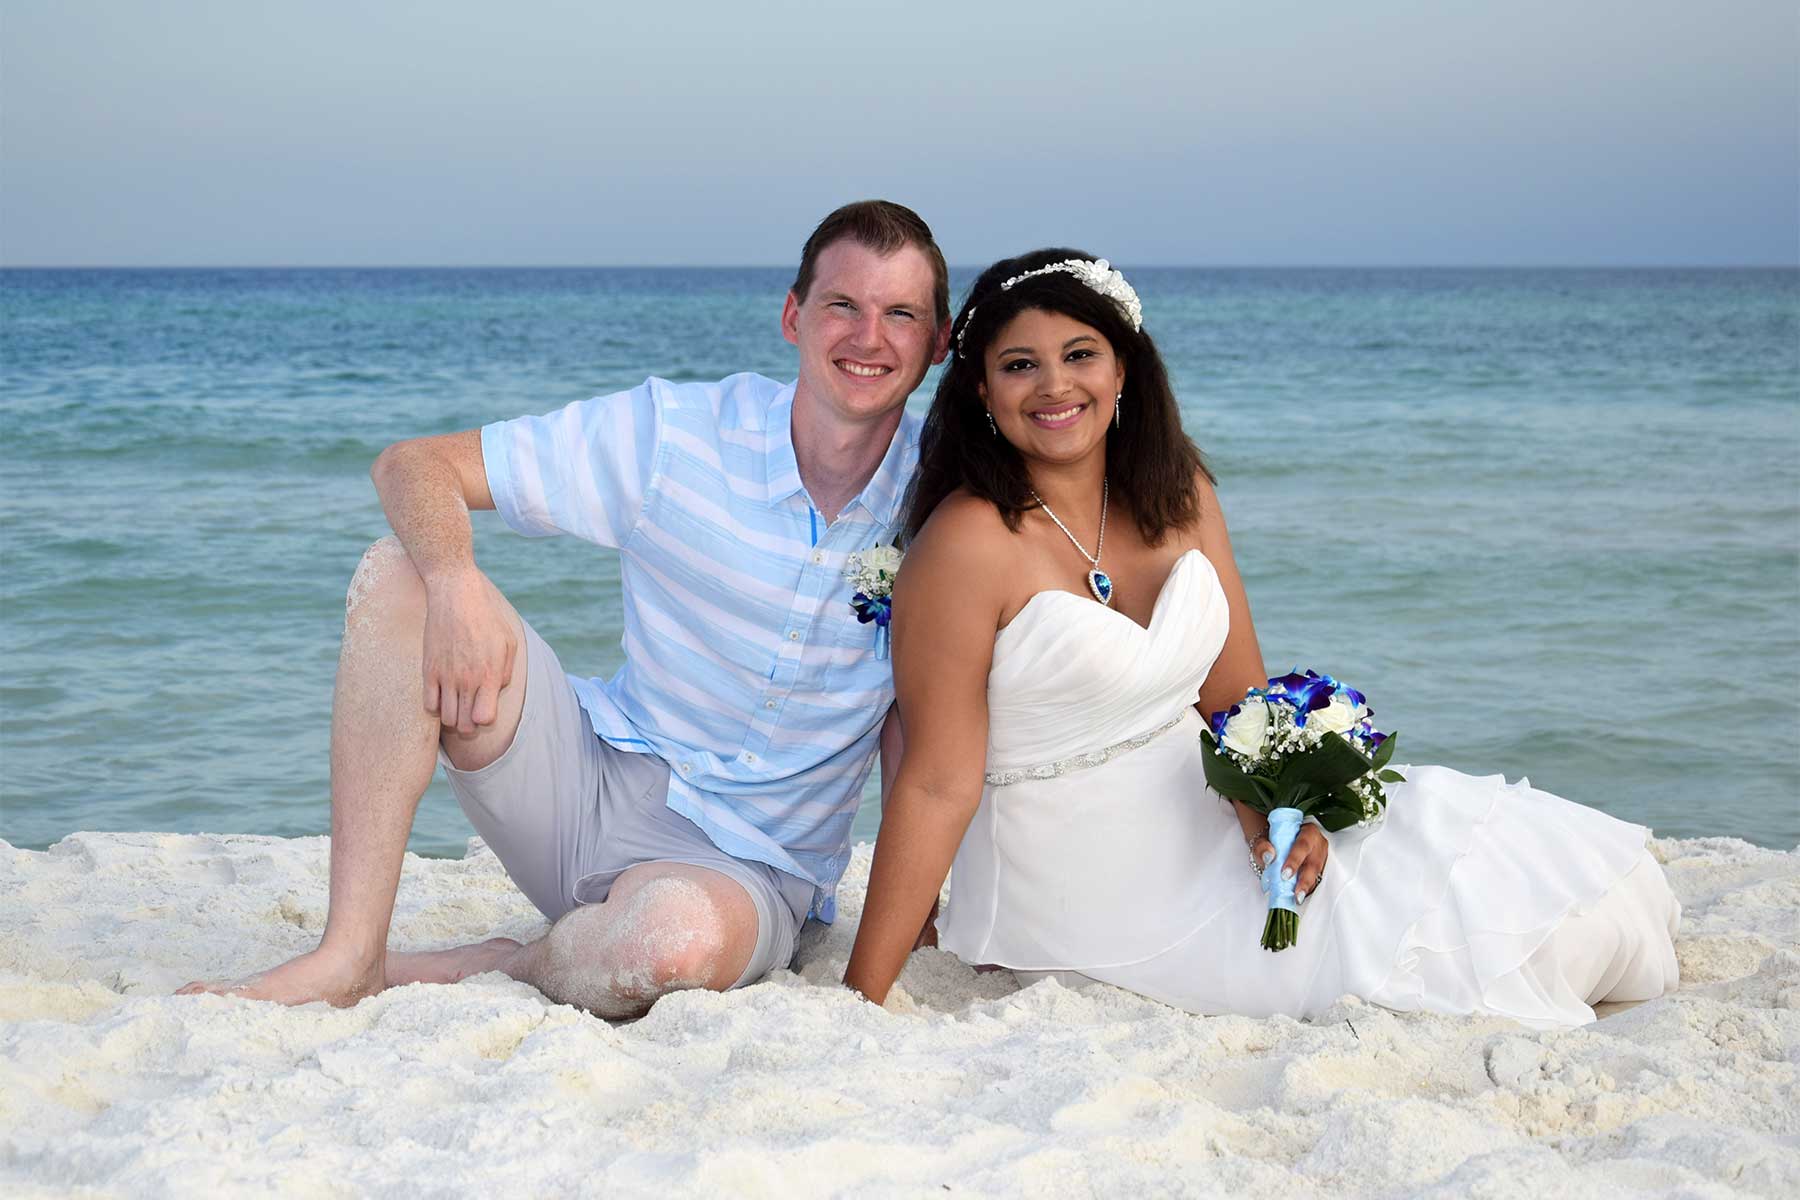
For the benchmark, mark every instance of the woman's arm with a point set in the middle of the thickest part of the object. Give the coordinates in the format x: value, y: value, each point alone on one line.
x: 1239, y: 668
x: 947, y: 603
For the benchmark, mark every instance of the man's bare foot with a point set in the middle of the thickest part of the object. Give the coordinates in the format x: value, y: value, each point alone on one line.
x: 449, y: 966
x: 314, y: 975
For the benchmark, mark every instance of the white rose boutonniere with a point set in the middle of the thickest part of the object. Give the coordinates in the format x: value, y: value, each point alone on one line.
x: 872, y: 573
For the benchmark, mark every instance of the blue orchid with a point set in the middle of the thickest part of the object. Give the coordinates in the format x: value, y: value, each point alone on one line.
x: 879, y: 609
x: 1305, y: 691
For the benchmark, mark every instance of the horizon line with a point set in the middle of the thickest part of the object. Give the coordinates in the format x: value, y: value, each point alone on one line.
x: 1222, y: 266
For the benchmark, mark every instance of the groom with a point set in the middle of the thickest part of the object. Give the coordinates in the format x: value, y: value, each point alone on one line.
x: 680, y: 821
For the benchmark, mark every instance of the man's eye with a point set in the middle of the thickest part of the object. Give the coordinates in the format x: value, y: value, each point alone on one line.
x: 843, y: 304
x: 901, y: 312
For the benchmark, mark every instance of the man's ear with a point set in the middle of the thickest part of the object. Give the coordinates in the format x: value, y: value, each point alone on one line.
x: 943, y: 343
x: 790, y: 318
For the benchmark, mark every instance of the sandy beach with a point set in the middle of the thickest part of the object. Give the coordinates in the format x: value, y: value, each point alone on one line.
x: 964, y: 1082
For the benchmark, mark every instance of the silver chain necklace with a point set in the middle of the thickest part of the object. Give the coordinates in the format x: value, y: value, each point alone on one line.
x: 1098, y: 581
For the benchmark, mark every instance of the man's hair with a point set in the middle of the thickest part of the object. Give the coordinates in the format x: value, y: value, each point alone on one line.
x: 883, y: 227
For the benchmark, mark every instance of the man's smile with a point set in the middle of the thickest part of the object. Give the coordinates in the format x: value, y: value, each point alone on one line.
x: 862, y: 370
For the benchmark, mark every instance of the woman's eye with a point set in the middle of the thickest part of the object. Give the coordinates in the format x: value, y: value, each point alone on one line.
x: 1017, y: 364
x: 1078, y: 355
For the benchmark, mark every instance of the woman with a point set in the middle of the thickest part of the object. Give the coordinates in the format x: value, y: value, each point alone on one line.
x: 1068, y: 608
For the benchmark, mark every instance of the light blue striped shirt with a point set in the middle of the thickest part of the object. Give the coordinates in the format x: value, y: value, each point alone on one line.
x: 745, y: 667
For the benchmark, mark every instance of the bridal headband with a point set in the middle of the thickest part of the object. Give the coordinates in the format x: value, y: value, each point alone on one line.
x: 1098, y: 274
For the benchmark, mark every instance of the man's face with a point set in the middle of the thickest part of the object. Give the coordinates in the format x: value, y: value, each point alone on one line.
x: 865, y: 331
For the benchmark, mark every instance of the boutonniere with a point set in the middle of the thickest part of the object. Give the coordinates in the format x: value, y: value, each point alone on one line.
x: 872, y: 573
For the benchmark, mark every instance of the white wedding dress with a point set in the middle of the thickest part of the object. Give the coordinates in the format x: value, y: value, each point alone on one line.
x: 1098, y: 849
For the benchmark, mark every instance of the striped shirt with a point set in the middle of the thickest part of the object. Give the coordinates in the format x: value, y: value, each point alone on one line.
x: 746, y: 669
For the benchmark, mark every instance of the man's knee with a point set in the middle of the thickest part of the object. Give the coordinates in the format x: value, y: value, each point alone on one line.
x: 385, y: 580
x: 617, y: 959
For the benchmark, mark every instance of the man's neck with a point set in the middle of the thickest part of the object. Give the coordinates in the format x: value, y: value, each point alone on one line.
x: 837, y: 460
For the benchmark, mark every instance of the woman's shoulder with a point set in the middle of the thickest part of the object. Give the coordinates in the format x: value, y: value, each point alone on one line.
x: 966, y: 536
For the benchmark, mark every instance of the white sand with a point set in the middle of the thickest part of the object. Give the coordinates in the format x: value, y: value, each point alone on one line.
x: 109, y: 1085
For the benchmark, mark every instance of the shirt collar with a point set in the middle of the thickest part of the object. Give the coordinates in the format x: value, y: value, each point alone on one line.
x: 783, y: 469
x: 881, y: 496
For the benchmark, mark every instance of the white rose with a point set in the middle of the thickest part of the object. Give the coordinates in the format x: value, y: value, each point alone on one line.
x: 1247, y: 729
x: 1337, y: 717
x: 882, y: 558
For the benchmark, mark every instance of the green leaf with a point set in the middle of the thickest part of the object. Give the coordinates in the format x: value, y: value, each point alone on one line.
x: 1228, y: 779
x: 1328, y: 766
x: 1338, y: 813
x: 1384, y: 751
x: 1390, y: 777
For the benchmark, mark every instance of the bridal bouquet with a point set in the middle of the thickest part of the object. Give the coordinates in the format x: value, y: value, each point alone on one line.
x: 1302, y: 747
x: 872, y: 573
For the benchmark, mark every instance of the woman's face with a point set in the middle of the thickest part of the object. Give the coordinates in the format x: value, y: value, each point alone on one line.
x: 1051, y: 384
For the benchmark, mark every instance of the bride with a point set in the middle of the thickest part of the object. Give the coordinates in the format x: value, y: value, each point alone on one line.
x: 1068, y: 609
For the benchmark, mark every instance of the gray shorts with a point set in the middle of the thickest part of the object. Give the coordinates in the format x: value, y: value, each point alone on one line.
x: 567, y: 814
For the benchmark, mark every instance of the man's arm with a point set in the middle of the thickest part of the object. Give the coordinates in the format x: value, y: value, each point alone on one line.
x: 427, y: 488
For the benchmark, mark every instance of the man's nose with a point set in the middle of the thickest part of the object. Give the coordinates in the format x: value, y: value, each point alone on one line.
x: 868, y: 330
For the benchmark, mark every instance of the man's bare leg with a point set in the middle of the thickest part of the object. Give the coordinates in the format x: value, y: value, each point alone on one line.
x: 383, y: 752
x: 665, y: 927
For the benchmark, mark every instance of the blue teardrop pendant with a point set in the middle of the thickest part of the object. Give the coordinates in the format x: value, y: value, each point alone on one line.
x: 1100, y: 583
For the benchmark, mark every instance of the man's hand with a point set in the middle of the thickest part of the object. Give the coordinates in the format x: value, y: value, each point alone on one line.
x: 1306, y: 861
x: 928, y: 932
x: 470, y: 643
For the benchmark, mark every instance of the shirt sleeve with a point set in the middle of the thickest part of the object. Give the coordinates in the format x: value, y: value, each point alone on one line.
x: 584, y: 469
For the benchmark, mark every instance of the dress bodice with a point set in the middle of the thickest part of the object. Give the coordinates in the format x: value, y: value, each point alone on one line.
x: 1071, y: 677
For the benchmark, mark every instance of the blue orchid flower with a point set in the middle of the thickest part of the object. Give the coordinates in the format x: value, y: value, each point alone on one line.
x: 879, y: 609
x: 1305, y: 691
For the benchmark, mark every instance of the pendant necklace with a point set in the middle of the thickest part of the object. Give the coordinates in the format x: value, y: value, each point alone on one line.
x: 1098, y: 581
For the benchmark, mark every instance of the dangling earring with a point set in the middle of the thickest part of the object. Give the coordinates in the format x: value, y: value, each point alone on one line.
x: 993, y: 429
x: 1118, y: 404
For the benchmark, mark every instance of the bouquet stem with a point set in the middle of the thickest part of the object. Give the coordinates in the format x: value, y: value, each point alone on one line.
x: 1281, y: 930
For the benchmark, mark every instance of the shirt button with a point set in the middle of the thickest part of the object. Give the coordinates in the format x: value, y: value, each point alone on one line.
x: 818, y: 556
x: 749, y: 757
x: 768, y: 704
x: 687, y: 768
x: 793, y: 635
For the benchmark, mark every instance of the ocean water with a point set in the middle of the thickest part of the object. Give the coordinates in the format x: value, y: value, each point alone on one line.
x: 1548, y: 520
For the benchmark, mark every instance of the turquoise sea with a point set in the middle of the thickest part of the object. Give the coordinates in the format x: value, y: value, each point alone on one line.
x: 1548, y: 520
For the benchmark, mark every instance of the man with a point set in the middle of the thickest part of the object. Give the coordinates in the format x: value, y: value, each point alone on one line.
x: 679, y: 822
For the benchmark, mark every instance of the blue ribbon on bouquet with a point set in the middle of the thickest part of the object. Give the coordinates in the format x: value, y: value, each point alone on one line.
x: 1284, y: 827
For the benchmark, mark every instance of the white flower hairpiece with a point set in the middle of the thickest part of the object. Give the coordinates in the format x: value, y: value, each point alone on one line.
x: 1098, y: 274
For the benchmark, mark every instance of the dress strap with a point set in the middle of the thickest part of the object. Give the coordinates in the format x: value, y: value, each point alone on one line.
x: 1081, y: 762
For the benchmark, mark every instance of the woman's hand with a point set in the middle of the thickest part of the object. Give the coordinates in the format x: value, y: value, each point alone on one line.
x: 1306, y: 861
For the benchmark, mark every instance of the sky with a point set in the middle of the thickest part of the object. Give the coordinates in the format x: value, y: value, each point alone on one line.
x: 554, y: 133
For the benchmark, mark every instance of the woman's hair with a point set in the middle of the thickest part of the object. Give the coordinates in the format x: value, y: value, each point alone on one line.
x: 1150, y: 461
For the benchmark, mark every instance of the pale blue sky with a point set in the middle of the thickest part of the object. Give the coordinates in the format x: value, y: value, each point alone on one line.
x: 547, y: 132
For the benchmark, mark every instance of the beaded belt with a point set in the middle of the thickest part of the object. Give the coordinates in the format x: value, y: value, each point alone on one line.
x: 1079, y: 762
